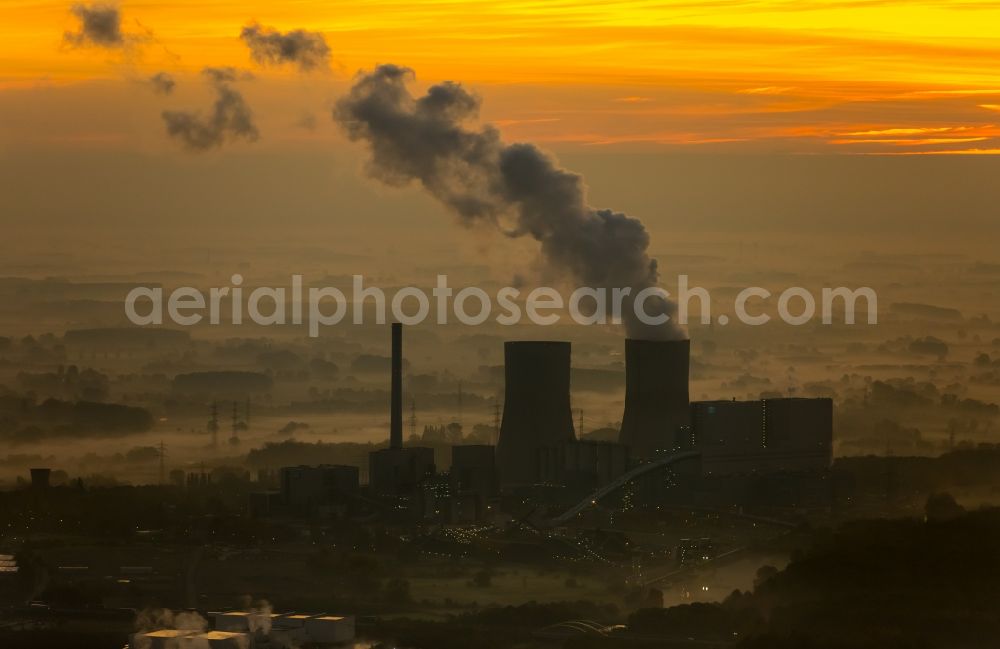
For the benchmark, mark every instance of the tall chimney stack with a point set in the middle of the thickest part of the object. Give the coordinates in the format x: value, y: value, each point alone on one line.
x: 396, y: 420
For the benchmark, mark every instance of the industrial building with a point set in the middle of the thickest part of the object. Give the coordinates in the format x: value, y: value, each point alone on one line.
x: 536, y: 410
x: 538, y: 448
x: 304, y: 489
x: 398, y: 470
x: 582, y: 464
x: 656, y: 396
x: 767, y: 435
x: 473, y: 479
x: 441, y: 502
x: 538, y: 445
x: 41, y: 478
x: 473, y: 469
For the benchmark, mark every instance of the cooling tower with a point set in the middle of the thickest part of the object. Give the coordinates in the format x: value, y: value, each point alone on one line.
x: 657, y: 407
x: 536, y: 410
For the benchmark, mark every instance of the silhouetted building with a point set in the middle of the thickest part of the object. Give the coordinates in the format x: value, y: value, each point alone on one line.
x: 198, y: 479
x: 306, y: 488
x: 536, y: 407
x: 397, y: 470
x: 582, y: 464
x: 266, y: 503
x: 730, y: 434
x: 41, y: 478
x: 473, y: 469
x: 799, y: 431
x: 763, y: 436
x: 436, y: 499
x: 473, y: 481
x: 656, y: 397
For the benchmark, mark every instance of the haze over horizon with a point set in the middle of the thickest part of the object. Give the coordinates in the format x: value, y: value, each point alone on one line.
x: 185, y: 460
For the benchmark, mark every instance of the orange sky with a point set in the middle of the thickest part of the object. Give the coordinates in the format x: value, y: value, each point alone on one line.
x: 851, y: 76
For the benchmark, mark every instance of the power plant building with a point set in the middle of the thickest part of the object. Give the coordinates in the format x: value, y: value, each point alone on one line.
x: 397, y: 470
x: 583, y: 464
x: 657, y: 415
x: 767, y: 435
x: 537, y: 444
x: 41, y: 478
x: 536, y: 407
x: 304, y: 488
x: 473, y: 470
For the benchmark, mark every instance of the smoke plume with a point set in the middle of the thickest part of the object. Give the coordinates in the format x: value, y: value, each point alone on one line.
x: 162, y: 83
x: 268, y: 46
x: 100, y: 26
x: 517, y: 188
x: 231, y: 117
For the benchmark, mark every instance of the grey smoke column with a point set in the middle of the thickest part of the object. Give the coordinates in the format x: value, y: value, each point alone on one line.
x: 396, y: 418
x: 657, y: 403
x: 536, y: 407
x: 517, y: 188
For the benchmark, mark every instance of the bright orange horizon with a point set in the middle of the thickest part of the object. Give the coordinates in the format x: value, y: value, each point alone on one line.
x: 855, y: 76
